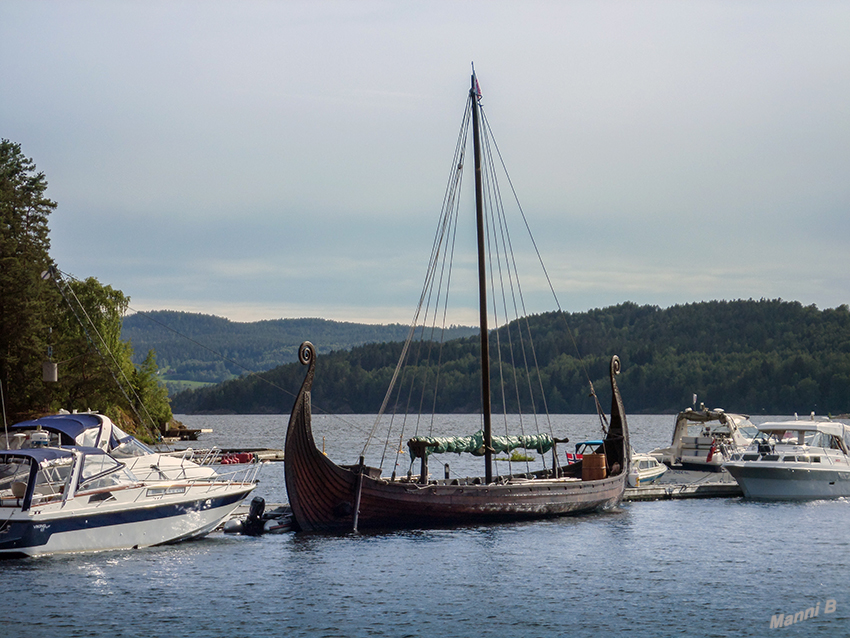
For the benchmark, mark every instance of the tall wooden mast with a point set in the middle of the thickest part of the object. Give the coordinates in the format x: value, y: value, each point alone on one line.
x: 328, y: 497
x: 474, y: 96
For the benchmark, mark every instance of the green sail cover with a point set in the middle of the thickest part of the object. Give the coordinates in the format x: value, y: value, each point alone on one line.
x: 474, y: 444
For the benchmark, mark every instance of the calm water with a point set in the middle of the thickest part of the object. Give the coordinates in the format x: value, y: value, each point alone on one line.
x: 720, y: 567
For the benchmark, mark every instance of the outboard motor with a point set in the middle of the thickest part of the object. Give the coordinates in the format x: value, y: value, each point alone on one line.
x: 259, y: 522
x: 254, y: 523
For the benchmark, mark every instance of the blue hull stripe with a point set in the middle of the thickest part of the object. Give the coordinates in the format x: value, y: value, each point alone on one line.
x: 24, y: 534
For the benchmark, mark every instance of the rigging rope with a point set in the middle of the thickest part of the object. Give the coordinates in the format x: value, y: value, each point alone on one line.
x: 57, y: 276
x: 3, y: 406
x: 600, y: 411
x: 445, y: 228
x: 426, y: 359
x: 520, y: 318
x: 258, y: 375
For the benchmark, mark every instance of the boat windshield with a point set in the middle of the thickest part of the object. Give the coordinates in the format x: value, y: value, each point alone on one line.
x: 102, y: 471
x: 89, y: 437
x: 824, y: 440
x: 709, y: 430
x: 131, y: 447
x: 749, y: 431
x: 52, y: 476
x: 50, y: 479
x: 14, y: 473
x: 792, y: 437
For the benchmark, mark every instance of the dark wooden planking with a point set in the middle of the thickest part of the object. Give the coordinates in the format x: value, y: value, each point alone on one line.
x: 322, y: 494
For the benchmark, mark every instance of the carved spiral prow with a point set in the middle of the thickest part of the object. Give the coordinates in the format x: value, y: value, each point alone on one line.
x: 306, y: 353
x: 307, y: 357
x: 300, y: 448
x: 615, y: 365
x: 618, y: 427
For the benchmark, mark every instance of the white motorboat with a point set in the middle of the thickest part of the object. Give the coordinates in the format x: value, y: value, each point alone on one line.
x: 705, y: 439
x: 645, y: 469
x: 78, y: 499
x: 91, y: 429
x: 795, y: 460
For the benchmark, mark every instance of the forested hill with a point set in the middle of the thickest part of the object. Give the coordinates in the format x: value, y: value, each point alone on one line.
x: 755, y: 357
x: 255, y: 346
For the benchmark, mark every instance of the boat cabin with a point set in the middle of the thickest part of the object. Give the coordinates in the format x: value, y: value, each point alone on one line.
x: 33, y: 476
x: 797, y: 441
x: 87, y: 429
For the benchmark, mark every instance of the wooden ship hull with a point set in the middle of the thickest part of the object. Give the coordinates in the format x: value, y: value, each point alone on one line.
x: 328, y: 497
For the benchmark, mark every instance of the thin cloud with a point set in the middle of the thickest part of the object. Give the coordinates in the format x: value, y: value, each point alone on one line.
x: 291, y: 157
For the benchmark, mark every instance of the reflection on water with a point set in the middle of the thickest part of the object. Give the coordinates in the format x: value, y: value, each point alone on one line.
x: 704, y: 567
x: 717, y: 567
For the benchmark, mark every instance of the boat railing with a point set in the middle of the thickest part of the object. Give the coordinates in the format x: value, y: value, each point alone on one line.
x: 209, y: 456
x: 242, y: 474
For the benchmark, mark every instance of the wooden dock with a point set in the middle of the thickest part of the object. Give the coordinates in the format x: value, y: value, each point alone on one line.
x: 267, y: 455
x: 677, y: 484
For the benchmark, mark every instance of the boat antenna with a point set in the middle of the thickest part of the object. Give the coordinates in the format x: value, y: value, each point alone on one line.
x: 475, y: 97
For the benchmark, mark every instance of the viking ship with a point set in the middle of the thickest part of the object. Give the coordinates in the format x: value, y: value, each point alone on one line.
x: 327, y: 497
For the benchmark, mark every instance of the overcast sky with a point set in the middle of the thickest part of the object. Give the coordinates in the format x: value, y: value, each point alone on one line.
x: 258, y: 160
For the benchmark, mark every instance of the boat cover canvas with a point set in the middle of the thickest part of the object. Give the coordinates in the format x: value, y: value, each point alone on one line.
x: 38, y: 454
x: 47, y: 454
x: 71, y: 425
x: 474, y: 444
x: 829, y: 427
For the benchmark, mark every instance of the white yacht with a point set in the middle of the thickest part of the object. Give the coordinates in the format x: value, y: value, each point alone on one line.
x: 705, y: 439
x: 91, y: 429
x: 795, y: 460
x: 77, y: 499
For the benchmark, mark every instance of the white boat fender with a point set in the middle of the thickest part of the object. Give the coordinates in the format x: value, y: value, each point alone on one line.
x: 634, y: 477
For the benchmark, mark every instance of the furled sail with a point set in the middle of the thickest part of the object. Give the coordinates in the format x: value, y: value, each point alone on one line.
x: 474, y: 444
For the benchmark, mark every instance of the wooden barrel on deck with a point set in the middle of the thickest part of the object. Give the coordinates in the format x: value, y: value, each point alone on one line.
x: 593, y: 467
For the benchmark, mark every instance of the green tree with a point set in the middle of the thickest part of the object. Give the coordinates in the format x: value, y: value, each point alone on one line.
x: 26, y: 303
x: 83, y: 330
x: 151, y: 397
x: 89, y: 348
x: 96, y: 369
